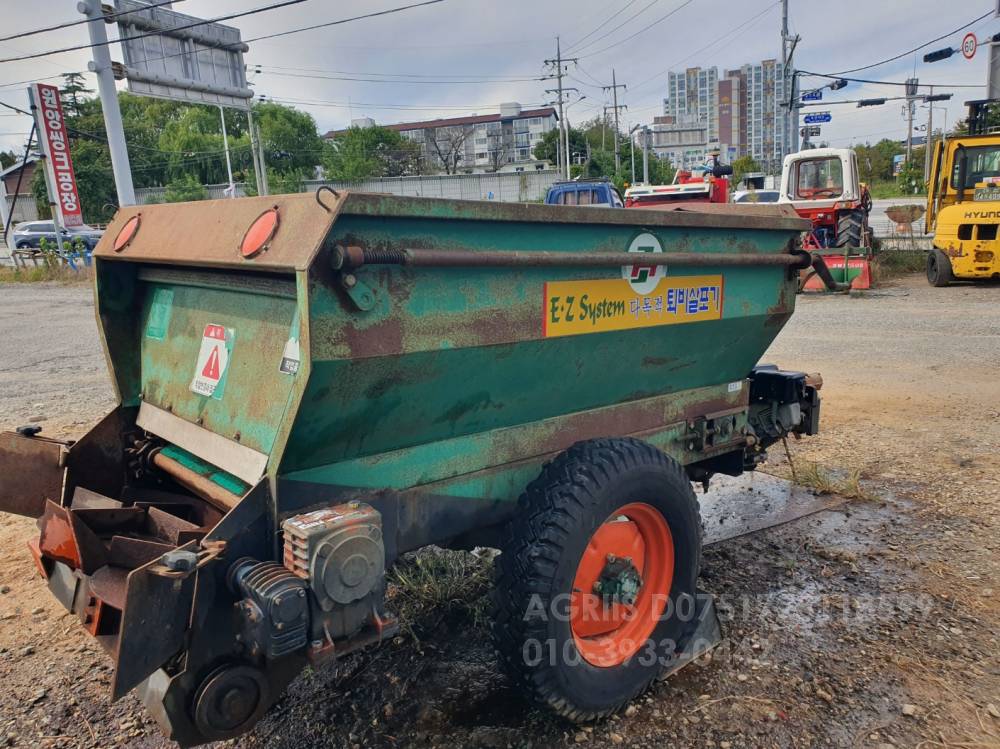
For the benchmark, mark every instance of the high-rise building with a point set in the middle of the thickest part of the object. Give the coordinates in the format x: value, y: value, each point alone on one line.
x: 739, y: 113
x: 695, y: 93
x: 767, y: 121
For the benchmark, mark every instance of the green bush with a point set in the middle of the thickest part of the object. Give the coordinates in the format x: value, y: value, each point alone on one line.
x: 184, y: 189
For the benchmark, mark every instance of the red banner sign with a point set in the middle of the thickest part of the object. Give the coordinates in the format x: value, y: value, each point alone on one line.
x: 52, y: 125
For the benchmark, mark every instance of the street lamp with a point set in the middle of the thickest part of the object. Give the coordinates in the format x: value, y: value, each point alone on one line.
x: 582, y: 97
x: 631, y: 148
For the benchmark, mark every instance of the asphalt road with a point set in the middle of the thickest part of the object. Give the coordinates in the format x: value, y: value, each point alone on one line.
x: 52, y: 369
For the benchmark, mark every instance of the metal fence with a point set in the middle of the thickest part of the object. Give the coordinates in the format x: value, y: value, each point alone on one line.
x: 25, y: 208
x: 506, y: 187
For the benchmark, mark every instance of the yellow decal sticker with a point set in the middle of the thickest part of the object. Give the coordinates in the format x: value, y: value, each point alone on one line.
x: 577, y: 307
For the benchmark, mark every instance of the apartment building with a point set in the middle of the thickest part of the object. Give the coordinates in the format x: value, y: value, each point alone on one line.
x: 739, y: 112
x: 479, y: 142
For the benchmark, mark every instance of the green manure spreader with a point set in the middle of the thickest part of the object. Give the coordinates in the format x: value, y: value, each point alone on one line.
x: 310, y: 386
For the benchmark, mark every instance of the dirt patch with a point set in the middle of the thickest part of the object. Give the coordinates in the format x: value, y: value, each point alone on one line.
x: 874, y: 625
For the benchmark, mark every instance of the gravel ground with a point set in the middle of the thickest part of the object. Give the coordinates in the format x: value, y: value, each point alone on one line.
x: 52, y: 370
x: 873, y: 625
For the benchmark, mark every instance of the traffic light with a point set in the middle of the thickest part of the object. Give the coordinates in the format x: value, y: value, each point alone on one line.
x: 938, y: 97
x: 871, y: 102
x: 938, y: 55
x: 838, y: 84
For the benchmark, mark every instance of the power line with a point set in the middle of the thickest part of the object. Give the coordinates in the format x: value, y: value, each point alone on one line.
x: 890, y: 83
x: 498, y: 78
x: 736, y: 30
x: 350, y: 104
x: 102, y: 139
x: 600, y: 26
x: 911, y: 51
x: 67, y: 24
x: 304, y: 28
x: 227, y: 17
x: 34, y: 80
x: 623, y: 23
x: 662, y: 18
x: 395, y: 80
x: 345, y: 20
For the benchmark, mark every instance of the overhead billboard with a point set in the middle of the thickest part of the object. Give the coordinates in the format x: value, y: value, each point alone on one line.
x: 51, y: 124
x: 171, y: 55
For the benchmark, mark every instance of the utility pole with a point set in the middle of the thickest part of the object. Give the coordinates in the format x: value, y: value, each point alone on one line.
x: 615, y: 85
x: 788, y: 44
x: 911, y: 92
x: 631, y: 150
x: 557, y: 62
x: 929, y: 135
x: 645, y: 155
x: 225, y: 145
x: 257, y: 152
x: 101, y: 65
x: 909, y: 128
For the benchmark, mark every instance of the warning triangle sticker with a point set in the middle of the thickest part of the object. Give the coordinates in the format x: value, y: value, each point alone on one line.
x: 213, y: 359
x: 211, y: 369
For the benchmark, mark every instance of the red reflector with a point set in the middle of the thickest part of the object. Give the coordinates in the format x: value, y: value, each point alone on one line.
x: 261, y: 232
x: 127, y: 233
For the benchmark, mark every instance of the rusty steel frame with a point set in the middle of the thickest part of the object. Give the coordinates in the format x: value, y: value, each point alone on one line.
x: 356, y: 257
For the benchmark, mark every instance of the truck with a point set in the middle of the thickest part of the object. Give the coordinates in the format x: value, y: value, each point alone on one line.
x: 823, y: 186
x: 310, y: 386
x: 594, y: 192
x: 963, y: 203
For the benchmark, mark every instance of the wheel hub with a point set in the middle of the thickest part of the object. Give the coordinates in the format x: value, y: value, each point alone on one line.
x: 231, y: 698
x: 619, y: 582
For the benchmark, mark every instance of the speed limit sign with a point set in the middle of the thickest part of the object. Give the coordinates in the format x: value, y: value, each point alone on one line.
x: 969, y: 44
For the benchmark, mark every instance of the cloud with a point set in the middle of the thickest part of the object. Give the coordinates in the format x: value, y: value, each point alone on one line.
x: 487, y: 40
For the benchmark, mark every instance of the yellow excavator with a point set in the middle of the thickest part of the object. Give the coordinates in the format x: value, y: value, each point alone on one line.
x: 963, y: 203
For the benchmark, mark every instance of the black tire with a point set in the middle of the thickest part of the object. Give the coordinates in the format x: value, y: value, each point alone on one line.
x: 557, y: 515
x: 23, y: 246
x: 938, y: 269
x: 851, y: 229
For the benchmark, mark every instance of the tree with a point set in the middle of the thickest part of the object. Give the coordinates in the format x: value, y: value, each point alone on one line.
x: 185, y: 188
x: 742, y: 166
x: 875, y: 162
x: 545, y: 149
x: 992, y: 120
x: 911, y: 176
x: 72, y: 91
x: 498, y: 149
x: 366, y: 152
x: 8, y: 158
x: 448, y: 145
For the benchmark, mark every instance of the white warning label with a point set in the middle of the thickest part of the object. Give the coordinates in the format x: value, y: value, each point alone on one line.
x: 213, y: 358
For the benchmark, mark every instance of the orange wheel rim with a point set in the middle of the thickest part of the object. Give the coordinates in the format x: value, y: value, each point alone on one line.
x: 622, y: 585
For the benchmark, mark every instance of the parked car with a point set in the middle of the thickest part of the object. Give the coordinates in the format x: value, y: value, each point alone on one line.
x: 29, y: 234
x: 756, y: 196
x: 590, y: 192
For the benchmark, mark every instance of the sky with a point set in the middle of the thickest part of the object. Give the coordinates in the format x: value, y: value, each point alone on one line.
x: 466, y: 56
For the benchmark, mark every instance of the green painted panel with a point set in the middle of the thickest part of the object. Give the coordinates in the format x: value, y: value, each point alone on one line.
x: 440, y: 460
x: 447, y: 352
x: 252, y: 395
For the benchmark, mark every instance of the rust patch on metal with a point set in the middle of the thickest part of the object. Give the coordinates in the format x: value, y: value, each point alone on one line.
x: 779, y: 313
x: 205, y: 233
x: 30, y: 473
x: 57, y: 540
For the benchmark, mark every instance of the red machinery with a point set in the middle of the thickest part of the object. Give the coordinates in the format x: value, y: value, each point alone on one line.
x: 705, y: 185
x: 822, y: 185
